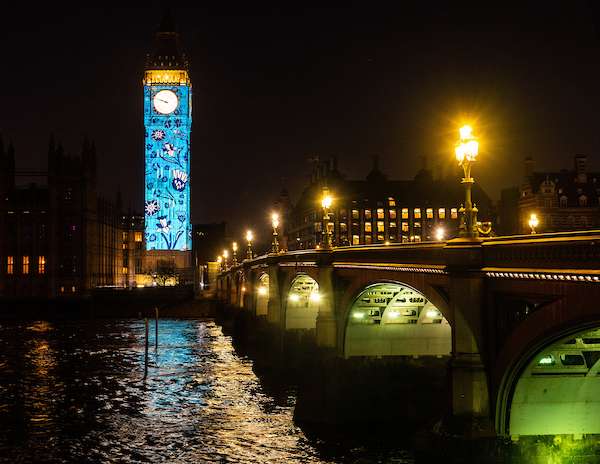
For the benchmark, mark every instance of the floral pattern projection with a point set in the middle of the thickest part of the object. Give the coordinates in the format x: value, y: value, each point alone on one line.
x: 167, y: 199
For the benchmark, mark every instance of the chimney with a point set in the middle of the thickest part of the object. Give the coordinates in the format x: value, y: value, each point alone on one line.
x: 529, y: 166
x: 580, y: 168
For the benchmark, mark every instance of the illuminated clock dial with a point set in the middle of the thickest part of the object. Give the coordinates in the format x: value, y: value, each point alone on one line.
x: 165, y: 101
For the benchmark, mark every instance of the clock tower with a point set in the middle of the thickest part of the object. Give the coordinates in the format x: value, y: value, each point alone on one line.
x: 167, y: 126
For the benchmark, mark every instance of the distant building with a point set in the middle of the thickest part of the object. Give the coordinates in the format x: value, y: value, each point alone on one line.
x: 379, y: 210
x: 132, y: 243
x: 207, y: 242
x: 563, y: 201
x: 61, y: 238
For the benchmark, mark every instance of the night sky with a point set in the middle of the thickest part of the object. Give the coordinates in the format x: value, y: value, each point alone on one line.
x: 274, y: 87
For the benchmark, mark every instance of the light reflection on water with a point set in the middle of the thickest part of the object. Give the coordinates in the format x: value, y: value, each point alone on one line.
x: 74, y: 392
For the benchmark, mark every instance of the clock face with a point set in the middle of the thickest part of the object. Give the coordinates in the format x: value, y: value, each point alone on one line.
x: 165, y: 101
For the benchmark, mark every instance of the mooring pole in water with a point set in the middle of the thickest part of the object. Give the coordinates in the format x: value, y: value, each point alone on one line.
x: 146, y: 351
x: 156, y: 328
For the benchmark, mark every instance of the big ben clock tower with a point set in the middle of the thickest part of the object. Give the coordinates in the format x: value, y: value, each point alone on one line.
x: 167, y: 124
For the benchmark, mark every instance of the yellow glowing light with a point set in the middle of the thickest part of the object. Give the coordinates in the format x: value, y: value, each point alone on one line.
x: 249, y: 236
x: 234, y: 246
x: 225, y: 254
x: 262, y: 291
x: 468, y: 146
x: 315, y: 297
x: 393, y: 314
x: 466, y: 132
x: 440, y: 234
x: 166, y: 76
x: 275, y: 220
x: 219, y: 259
x: 533, y: 221
x: 326, y: 201
x: 243, y: 289
x: 387, y: 242
x: 358, y: 315
x: 294, y: 297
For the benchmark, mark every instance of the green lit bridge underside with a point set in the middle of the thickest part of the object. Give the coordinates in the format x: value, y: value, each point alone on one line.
x: 532, y: 300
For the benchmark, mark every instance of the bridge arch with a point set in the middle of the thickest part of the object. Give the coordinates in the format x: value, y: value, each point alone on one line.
x: 390, y: 318
x: 262, y: 294
x: 552, y: 389
x: 302, y: 303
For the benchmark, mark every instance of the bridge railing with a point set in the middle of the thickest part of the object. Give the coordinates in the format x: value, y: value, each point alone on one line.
x: 565, y: 251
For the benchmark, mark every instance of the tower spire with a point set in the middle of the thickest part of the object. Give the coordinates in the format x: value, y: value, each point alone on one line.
x: 167, y: 52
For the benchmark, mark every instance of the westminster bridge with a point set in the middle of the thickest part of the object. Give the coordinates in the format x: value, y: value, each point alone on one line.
x: 513, y: 322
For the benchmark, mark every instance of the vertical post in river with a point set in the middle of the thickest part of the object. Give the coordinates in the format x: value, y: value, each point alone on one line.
x: 156, y: 328
x: 146, y: 352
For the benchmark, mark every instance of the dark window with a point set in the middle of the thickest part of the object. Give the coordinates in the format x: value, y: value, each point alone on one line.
x: 572, y: 360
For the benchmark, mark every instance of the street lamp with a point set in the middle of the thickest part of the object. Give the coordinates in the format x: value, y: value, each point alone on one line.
x: 249, y: 238
x: 234, y: 247
x: 440, y: 234
x: 275, y: 224
x: 326, y: 202
x: 220, y: 261
x: 533, y: 222
x: 466, y: 153
x: 225, y: 257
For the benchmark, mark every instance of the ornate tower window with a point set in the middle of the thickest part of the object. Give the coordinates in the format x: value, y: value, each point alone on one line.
x: 563, y: 201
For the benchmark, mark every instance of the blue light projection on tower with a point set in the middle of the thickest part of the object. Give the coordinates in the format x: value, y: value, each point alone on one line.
x: 167, y: 121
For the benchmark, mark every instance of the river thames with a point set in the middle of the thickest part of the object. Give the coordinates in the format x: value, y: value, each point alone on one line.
x: 75, y: 392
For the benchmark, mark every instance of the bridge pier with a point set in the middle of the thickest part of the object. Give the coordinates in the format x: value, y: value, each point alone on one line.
x: 326, y: 325
x: 469, y: 379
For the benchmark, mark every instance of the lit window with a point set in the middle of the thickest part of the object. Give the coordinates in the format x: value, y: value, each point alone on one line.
x: 354, y: 214
x: 442, y: 213
x: 368, y: 227
x: 429, y: 213
x: 124, y: 270
x: 392, y: 224
x: 405, y: 227
x: 73, y: 289
x: 62, y: 289
x: 417, y: 213
x: 582, y: 200
x: 41, y: 264
x: 417, y: 238
x: 417, y: 225
x: 404, y: 238
x: 391, y: 201
x: 355, y: 240
x: 454, y: 213
x: 10, y: 265
x: 404, y: 213
x: 25, y: 264
x: 125, y: 236
x: 125, y: 245
x: 380, y: 214
x: 367, y: 214
x: 138, y: 236
x: 380, y: 226
x: 392, y: 237
x: 380, y: 238
x: 368, y: 239
x: 343, y: 227
x: 392, y: 213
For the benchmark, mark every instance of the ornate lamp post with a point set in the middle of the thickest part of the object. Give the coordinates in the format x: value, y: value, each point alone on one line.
x: 533, y: 222
x: 225, y: 258
x: 249, y: 238
x: 326, y: 202
x: 234, y: 257
x: 466, y: 154
x: 275, y: 224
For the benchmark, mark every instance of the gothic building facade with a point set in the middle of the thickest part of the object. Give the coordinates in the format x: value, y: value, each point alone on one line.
x: 61, y: 238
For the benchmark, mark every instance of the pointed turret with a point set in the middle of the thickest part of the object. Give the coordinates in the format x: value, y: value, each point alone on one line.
x: 167, y: 52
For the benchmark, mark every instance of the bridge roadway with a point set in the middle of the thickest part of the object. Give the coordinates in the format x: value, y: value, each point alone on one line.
x: 517, y: 318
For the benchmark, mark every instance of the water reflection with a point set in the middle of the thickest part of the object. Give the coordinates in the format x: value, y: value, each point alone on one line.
x: 75, y: 392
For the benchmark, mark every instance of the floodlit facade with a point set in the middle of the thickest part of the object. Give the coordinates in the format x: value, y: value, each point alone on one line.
x: 167, y: 123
